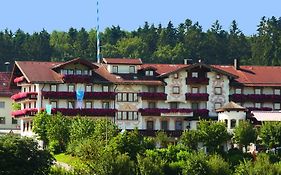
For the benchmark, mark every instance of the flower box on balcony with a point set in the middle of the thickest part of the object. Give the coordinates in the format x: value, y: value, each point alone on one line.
x: 85, y: 112
x: 58, y: 95
x: 197, y: 96
x: 19, y: 79
x: 255, y: 97
x: 23, y: 112
x: 100, y: 95
x: 259, y: 109
x: 197, y: 80
x: 178, y: 110
x: 201, y: 113
x: 158, y: 111
x: 77, y: 78
x: 24, y: 95
x: 153, y: 96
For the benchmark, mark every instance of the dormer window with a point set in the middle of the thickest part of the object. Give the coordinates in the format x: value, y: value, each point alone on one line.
x: 218, y: 76
x: 194, y: 75
x: 176, y: 76
x: 114, y: 69
x: 78, y: 72
x: 132, y: 70
x: 149, y: 73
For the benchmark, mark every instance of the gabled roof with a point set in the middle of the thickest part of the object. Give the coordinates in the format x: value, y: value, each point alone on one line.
x: 231, y: 106
x: 164, y: 69
x: 255, y: 75
x: 76, y: 60
x: 5, y: 90
x: 127, y: 61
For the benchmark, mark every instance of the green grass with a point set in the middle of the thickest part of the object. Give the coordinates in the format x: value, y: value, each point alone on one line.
x: 75, y: 162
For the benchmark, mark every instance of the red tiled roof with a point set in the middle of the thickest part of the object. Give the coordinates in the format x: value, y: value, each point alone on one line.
x: 132, y: 61
x: 164, y: 69
x: 255, y: 75
x: 5, y: 91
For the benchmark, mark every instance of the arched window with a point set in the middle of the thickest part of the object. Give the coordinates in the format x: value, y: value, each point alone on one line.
x: 232, y: 123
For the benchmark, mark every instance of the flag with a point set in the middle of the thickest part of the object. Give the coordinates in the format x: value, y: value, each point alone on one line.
x: 49, y: 109
x: 79, y: 95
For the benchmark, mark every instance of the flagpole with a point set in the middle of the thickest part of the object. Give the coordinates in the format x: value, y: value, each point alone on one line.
x: 98, y: 35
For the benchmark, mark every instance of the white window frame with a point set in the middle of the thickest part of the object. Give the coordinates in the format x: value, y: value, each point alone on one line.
x: 194, y: 74
x: 176, y: 90
x: 132, y: 69
x: 115, y: 69
x: 277, y: 92
x: 238, y: 91
x: 53, y: 88
x: 194, y: 90
x: 258, y: 91
x: 218, y: 90
x: 276, y: 106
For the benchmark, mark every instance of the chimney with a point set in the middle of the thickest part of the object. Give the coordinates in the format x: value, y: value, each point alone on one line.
x: 187, y: 61
x: 236, y: 64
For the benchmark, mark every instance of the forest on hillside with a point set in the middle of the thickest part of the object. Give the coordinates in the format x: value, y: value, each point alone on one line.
x: 152, y: 43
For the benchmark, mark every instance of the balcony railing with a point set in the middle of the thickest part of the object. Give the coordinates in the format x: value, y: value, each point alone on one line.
x: 197, y: 96
x: 85, y: 112
x: 259, y: 109
x: 201, y: 113
x: 255, y: 97
x: 152, y: 133
x: 197, y: 80
x: 72, y: 95
x: 77, y: 78
x: 25, y: 112
x: 159, y: 111
x: 25, y: 95
x: 153, y: 96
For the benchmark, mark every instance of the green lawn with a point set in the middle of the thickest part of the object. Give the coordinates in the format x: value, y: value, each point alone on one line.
x: 75, y: 162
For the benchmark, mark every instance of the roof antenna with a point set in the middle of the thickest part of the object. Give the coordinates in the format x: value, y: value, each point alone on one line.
x: 98, y: 35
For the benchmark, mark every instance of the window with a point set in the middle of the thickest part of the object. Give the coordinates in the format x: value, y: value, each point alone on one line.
x: 88, y: 105
x: 195, y: 90
x: 176, y: 90
x: 34, y: 88
x: 194, y: 74
x: 54, y: 104
x: 14, y: 121
x: 119, y: 115
x: 29, y: 89
x: 151, y: 104
x: 150, y: 125
x: 78, y: 72
x: 194, y: 106
x: 127, y: 115
x: 105, y: 88
x: 226, y: 122
x: 105, y: 105
x: 149, y: 73
x: 63, y: 71
x: 114, y: 69
x: 2, y: 120
x: 178, y: 125
x: 124, y: 115
x: 127, y: 97
x: 71, y: 104
x: 174, y: 105
x: 85, y: 72
x: 277, y: 92
x: 53, y: 87
x: 2, y: 104
x: 132, y: 69
x: 238, y: 91
x: 176, y: 76
x: 70, y: 72
x: 152, y: 89
x: 276, y: 106
x: 71, y: 88
x: 232, y: 123
x: 88, y: 88
x: 218, y: 91
x: 164, y: 125
x: 257, y: 91
x: 257, y: 105
x: 217, y: 105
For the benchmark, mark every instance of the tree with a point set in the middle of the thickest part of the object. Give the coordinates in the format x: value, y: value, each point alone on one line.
x: 270, y: 134
x: 212, y: 134
x: 20, y: 155
x: 245, y: 133
x: 190, y: 139
x: 131, y: 47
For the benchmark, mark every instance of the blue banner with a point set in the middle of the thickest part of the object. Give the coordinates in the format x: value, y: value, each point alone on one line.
x: 79, y: 95
x: 49, y: 109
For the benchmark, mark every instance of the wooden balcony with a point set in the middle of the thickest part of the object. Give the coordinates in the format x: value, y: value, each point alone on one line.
x: 85, y: 112
x: 153, y: 96
x: 197, y: 80
x: 31, y: 96
x: 152, y: 133
x: 255, y: 98
x: 72, y: 95
x: 25, y: 112
x: 197, y: 96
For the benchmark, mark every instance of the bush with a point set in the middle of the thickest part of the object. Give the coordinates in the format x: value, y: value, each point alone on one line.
x: 218, y: 166
x: 196, y: 164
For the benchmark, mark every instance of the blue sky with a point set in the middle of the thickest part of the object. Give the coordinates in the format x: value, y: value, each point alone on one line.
x: 34, y: 15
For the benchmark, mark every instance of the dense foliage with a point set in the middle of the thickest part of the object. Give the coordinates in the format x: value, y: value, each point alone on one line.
x: 21, y: 156
x: 156, y: 44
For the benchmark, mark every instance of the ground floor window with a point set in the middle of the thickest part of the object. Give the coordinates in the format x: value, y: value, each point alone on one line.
x: 2, y: 120
x: 150, y: 125
x: 178, y: 125
x: 164, y: 125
